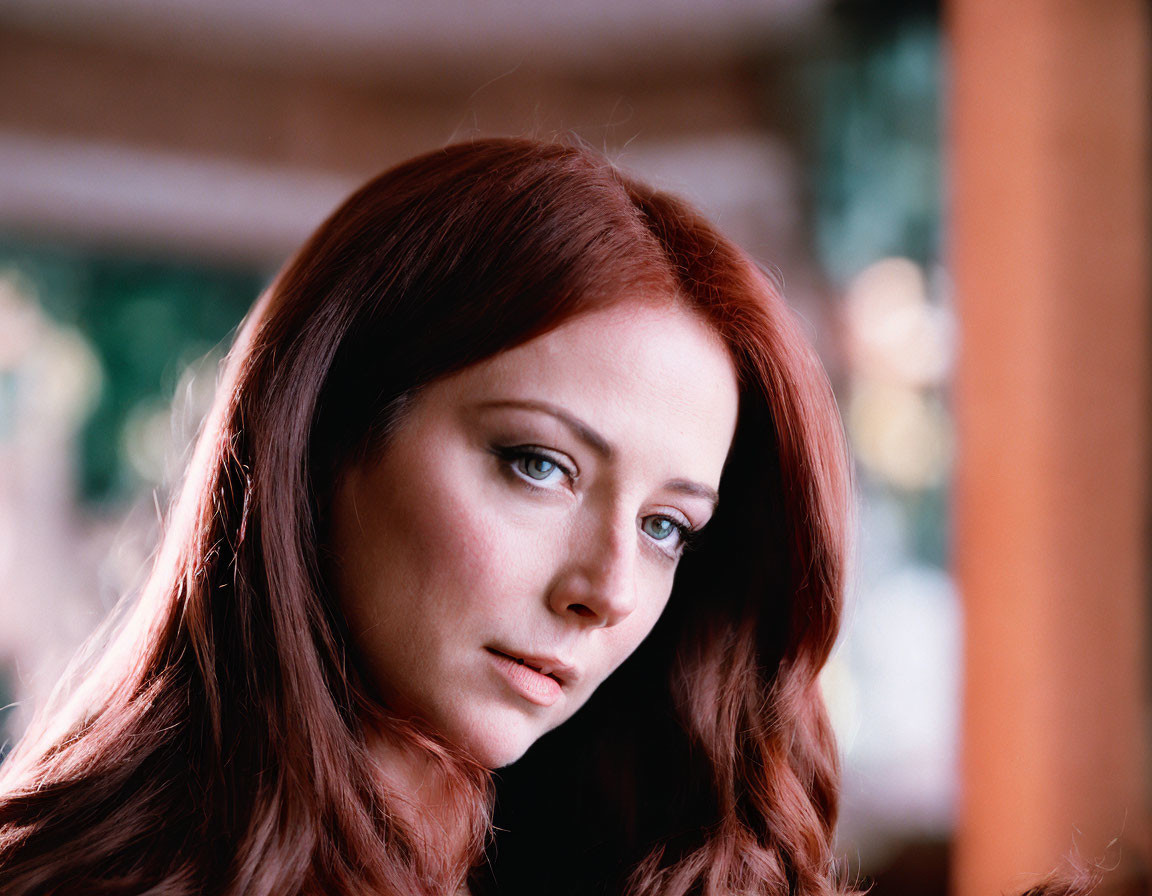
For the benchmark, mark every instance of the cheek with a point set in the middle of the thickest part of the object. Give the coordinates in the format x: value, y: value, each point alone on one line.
x: 473, y: 558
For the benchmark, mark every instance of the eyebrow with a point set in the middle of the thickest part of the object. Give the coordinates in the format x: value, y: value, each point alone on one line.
x: 696, y: 489
x: 597, y: 442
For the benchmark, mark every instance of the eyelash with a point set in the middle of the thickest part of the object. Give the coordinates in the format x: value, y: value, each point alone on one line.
x: 512, y: 455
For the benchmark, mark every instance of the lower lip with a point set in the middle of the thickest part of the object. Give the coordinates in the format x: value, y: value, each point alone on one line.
x: 527, y: 682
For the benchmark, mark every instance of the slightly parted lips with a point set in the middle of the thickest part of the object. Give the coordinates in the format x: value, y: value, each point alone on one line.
x: 559, y: 672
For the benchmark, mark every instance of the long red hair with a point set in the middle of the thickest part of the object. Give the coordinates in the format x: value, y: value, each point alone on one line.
x: 218, y: 744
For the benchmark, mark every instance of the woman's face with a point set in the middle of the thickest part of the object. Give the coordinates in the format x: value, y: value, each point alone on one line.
x: 518, y: 537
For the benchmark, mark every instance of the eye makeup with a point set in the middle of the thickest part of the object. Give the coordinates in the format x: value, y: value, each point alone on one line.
x: 521, y: 460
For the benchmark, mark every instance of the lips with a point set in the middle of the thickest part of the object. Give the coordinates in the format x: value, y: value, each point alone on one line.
x: 552, y: 667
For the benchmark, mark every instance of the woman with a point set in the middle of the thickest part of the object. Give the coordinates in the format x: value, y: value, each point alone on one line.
x: 457, y: 454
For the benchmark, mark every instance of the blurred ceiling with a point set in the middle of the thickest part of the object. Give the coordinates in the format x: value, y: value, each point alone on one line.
x: 227, y: 128
x: 393, y: 34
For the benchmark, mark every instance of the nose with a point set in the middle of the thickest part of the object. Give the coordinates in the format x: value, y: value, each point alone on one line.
x: 597, y: 583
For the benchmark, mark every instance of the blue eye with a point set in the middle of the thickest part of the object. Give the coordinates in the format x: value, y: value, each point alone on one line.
x: 536, y: 466
x: 659, y: 527
x: 662, y: 528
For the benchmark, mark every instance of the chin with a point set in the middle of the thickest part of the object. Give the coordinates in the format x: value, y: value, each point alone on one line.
x: 496, y: 742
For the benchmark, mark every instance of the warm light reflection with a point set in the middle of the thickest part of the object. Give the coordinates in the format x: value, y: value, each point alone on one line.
x: 900, y: 352
x: 900, y: 434
x: 896, y: 334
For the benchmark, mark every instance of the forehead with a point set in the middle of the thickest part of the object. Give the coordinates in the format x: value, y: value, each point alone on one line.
x: 633, y: 370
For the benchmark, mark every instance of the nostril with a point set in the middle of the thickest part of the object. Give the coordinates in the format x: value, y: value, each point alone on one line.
x: 581, y: 610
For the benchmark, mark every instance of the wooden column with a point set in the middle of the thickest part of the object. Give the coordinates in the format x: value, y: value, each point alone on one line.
x: 1049, y: 161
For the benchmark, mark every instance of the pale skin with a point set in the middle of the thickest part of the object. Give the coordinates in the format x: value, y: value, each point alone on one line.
x: 529, y: 512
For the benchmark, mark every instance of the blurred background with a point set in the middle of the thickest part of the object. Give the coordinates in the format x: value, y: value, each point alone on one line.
x: 957, y: 199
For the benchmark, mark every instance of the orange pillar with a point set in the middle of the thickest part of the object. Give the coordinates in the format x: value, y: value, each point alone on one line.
x: 1049, y: 160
